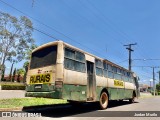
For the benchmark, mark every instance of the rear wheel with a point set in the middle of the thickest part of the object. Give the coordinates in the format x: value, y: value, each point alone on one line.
x: 103, y: 100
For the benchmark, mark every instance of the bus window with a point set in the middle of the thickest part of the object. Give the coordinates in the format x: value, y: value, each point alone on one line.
x: 69, y: 64
x: 105, y: 66
x: 99, y: 67
x: 44, y: 57
x: 114, y: 69
x: 109, y: 68
x: 80, y: 67
x: 117, y: 76
x: 105, y: 72
x: 99, y: 71
x: 119, y: 71
x: 69, y: 53
x: 110, y: 74
x: 99, y: 63
x: 80, y: 57
x: 74, y: 60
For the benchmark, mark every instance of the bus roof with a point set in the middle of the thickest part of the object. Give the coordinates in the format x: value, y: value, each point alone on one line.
x: 105, y: 60
x: 75, y: 48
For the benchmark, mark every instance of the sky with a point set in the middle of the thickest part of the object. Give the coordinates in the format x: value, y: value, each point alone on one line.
x: 100, y: 27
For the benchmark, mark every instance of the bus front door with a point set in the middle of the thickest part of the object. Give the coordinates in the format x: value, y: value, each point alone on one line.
x: 90, y: 81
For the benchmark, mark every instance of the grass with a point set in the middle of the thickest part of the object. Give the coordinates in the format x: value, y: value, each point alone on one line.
x: 11, y: 83
x: 22, y: 102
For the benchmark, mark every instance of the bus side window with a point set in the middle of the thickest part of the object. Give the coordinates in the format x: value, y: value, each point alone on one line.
x: 74, y: 60
x: 99, y: 67
x: 69, y: 53
x: 118, y: 74
x: 110, y: 72
x: 80, y: 57
x: 68, y: 63
x: 80, y: 62
x: 105, y: 71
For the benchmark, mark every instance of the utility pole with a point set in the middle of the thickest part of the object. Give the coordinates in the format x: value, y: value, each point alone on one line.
x: 153, y: 81
x: 159, y: 76
x: 129, y: 48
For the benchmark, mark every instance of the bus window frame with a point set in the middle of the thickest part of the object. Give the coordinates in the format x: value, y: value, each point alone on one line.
x: 74, y: 60
x: 99, y: 67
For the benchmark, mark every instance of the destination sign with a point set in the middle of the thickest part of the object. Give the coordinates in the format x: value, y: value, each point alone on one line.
x: 40, y: 78
x: 118, y: 83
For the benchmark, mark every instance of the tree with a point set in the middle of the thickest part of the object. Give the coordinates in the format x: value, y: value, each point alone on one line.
x: 25, y: 66
x: 158, y: 87
x: 28, y: 56
x: 3, y: 72
x: 14, y: 74
x: 29, y: 51
x: 20, y: 72
x: 15, y: 38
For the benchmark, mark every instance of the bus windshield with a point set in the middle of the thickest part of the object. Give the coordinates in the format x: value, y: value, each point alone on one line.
x: 44, y: 57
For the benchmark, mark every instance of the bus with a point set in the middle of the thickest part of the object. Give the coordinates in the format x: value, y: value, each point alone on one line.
x: 61, y: 71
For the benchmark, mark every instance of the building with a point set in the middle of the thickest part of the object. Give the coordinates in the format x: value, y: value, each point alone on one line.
x: 144, y: 88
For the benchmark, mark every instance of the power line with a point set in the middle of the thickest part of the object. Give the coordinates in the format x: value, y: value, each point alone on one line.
x: 45, y: 33
x: 46, y: 26
x: 49, y: 26
x: 108, y: 20
x: 40, y: 31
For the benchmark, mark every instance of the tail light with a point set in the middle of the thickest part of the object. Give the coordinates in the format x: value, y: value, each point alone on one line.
x: 58, y: 84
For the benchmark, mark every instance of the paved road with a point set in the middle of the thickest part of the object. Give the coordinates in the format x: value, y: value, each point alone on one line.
x: 91, y: 111
x: 12, y: 94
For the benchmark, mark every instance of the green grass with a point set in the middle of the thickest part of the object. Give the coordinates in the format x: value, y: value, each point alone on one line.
x: 22, y: 102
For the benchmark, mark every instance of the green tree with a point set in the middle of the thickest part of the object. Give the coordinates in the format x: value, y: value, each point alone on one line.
x: 25, y: 66
x: 21, y: 71
x: 29, y: 51
x: 158, y: 87
x: 15, y: 37
x: 28, y: 56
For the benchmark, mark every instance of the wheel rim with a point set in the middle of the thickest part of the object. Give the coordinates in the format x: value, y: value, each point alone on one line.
x: 104, y: 100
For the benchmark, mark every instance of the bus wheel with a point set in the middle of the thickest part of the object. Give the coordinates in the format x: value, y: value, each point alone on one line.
x: 132, y: 99
x: 103, y: 100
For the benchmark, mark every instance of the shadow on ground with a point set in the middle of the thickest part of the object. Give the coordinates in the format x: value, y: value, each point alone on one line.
x: 68, y: 110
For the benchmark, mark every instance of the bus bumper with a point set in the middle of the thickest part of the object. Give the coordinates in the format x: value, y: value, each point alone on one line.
x: 52, y: 94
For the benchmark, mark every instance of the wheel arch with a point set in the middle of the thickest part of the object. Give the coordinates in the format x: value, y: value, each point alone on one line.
x: 104, y: 90
x: 134, y: 93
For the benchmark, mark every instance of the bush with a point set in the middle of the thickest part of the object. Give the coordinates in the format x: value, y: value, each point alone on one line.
x: 13, y: 87
x: 153, y: 92
x: 156, y: 93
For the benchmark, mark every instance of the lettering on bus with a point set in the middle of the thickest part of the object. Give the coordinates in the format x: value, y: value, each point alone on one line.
x: 118, y: 83
x: 41, y: 78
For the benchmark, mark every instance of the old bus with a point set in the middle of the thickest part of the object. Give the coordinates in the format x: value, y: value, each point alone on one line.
x: 61, y: 71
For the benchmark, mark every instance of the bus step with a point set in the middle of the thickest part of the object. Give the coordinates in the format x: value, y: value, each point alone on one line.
x: 90, y: 99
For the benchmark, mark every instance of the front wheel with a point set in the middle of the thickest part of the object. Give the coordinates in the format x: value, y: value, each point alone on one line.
x: 103, y: 100
x: 132, y: 99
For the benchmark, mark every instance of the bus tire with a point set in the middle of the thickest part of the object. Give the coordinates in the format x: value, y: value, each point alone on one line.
x: 103, y: 100
x: 132, y: 100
